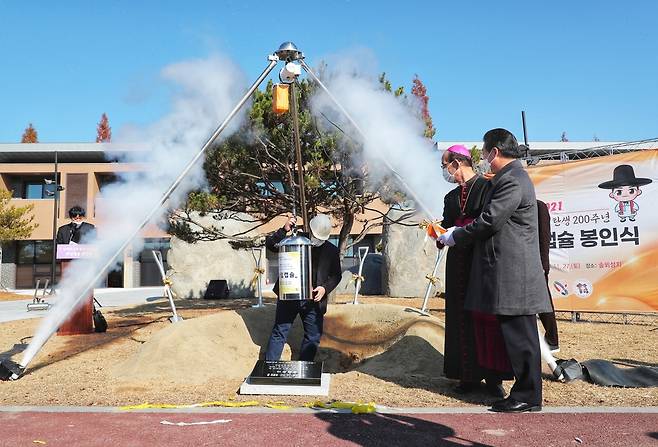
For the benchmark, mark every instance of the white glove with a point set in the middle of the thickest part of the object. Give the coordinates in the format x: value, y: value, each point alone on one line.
x: 446, y: 238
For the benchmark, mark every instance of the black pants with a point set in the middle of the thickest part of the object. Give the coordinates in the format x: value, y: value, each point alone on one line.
x: 522, y: 343
x: 312, y: 319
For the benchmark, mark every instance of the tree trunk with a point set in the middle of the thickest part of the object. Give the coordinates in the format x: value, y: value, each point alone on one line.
x: 343, y: 238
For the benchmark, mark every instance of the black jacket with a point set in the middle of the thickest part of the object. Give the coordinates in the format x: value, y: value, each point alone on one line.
x: 451, y: 203
x: 71, y: 233
x: 325, y: 265
x: 506, y: 277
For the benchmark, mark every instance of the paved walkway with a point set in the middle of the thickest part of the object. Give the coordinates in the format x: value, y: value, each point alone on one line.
x: 17, y: 310
x: 70, y: 426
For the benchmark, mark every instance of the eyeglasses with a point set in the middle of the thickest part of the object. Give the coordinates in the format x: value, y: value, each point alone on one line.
x: 74, y: 216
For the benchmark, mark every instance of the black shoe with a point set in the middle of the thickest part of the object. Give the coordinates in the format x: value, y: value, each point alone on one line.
x: 495, y: 389
x: 466, y: 387
x: 511, y: 405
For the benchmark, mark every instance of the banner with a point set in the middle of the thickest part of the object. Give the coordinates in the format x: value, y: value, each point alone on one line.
x: 604, y: 232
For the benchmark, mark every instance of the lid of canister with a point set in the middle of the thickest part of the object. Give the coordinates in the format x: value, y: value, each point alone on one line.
x: 295, y: 240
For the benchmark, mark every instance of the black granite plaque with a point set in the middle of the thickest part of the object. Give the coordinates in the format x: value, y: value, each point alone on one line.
x: 286, y: 373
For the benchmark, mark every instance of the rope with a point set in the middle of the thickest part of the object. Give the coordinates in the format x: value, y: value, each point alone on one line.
x: 257, y: 273
x: 356, y: 278
x: 432, y: 279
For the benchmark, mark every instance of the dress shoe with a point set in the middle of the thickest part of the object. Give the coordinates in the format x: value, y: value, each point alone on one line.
x: 510, y: 405
x: 495, y: 389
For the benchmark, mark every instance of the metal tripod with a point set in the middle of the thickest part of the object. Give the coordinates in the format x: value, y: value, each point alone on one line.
x: 287, y: 52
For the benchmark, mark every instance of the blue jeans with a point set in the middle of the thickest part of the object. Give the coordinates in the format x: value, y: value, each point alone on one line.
x: 286, y: 312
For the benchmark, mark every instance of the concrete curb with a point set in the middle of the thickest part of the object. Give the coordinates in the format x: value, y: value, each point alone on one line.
x: 265, y: 410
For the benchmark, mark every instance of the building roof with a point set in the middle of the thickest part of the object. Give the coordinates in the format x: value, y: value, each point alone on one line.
x: 66, y: 152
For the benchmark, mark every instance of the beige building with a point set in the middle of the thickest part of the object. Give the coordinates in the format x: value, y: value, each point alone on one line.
x: 82, y: 170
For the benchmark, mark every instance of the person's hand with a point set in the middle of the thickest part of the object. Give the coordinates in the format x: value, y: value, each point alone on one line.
x: 446, y: 238
x: 318, y: 292
x: 290, y: 224
x: 488, y: 175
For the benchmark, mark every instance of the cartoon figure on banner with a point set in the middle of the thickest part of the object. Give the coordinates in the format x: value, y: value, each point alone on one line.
x: 625, y: 188
x: 561, y: 288
x: 583, y: 288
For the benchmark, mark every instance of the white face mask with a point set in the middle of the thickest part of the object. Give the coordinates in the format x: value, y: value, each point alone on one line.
x: 316, y: 242
x: 447, y: 176
x: 77, y: 224
x: 484, y: 166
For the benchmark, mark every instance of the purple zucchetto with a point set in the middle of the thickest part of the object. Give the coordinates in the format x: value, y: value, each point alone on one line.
x: 460, y: 149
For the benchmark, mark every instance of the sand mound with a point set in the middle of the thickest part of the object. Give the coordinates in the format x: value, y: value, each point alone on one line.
x: 378, y: 339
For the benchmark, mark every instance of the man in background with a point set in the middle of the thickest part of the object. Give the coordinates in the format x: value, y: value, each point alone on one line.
x: 77, y: 230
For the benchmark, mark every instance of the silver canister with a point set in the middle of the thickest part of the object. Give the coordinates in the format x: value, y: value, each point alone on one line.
x: 295, y: 270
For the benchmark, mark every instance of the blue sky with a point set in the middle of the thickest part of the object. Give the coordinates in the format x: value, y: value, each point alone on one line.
x: 584, y: 67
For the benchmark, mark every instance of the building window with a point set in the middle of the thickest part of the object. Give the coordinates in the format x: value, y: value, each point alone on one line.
x: 31, y: 187
x: 34, y: 259
x: 35, y: 252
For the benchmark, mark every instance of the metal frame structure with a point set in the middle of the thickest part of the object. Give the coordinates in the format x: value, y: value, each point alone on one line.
x: 257, y: 253
x: 431, y: 279
x: 363, y: 253
x: 594, y: 151
x: 175, y: 318
x: 287, y: 52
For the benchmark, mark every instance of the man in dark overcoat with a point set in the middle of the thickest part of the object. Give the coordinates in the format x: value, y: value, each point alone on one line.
x: 507, y: 278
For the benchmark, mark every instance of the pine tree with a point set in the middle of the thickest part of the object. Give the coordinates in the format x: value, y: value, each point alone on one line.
x: 30, y: 135
x: 103, y: 130
x: 420, y: 91
x: 16, y: 222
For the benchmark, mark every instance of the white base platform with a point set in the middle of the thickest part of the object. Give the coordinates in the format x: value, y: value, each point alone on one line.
x: 288, y: 390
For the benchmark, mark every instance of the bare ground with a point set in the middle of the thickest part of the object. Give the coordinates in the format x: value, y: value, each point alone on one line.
x: 81, y: 370
x: 9, y: 296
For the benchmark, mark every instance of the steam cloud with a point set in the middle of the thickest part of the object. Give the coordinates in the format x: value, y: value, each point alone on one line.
x: 393, y: 131
x: 205, y: 90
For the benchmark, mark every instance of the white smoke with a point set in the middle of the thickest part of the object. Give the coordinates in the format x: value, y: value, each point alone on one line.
x: 392, y: 131
x: 205, y: 90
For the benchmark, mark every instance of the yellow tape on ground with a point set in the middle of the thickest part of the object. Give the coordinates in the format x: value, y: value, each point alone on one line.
x: 278, y: 406
x: 251, y: 403
x: 355, y: 407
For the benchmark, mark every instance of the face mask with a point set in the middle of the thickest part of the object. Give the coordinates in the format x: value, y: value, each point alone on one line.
x: 316, y: 242
x: 448, y: 177
x: 77, y: 224
x: 484, y: 166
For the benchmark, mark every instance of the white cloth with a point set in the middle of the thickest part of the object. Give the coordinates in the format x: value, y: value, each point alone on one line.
x: 446, y: 238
